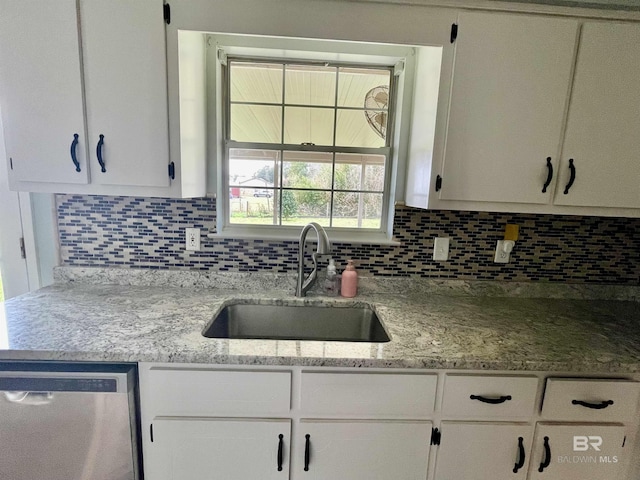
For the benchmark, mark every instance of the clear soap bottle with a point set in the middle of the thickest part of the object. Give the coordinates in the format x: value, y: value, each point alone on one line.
x: 331, y: 281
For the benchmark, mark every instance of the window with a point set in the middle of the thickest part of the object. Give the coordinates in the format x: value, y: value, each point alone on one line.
x: 307, y: 141
x: 298, y: 129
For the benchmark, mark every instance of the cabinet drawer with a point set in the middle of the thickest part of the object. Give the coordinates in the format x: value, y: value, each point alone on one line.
x: 470, y: 396
x: 368, y: 394
x: 176, y: 392
x: 590, y: 400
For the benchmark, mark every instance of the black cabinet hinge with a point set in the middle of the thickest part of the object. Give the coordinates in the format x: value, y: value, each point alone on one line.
x: 167, y: 13
x: 172, y: 170
x: 11, y: 163
x: 23, y: 250
x: 151, y: 432
x: 435, y: 436
x: 438, y: 183
x: 454, y: 32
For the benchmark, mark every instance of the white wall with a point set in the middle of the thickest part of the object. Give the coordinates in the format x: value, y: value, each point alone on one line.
x: 45, y: 229
x: 12, y: 266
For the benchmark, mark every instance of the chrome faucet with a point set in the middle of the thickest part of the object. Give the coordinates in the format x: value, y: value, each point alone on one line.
x: 323, y: 248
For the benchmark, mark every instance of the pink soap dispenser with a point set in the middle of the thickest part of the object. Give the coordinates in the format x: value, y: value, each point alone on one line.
x: 349, y: 286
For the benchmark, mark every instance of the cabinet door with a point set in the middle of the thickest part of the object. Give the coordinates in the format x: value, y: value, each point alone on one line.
x: 604, y: 120
x: 584, y: 452
x: 362, y: 450
x: 41, y: 91
x: 212, y: 448
x: 483, y: 451
x: 123, y: 46
x: 510, y: 85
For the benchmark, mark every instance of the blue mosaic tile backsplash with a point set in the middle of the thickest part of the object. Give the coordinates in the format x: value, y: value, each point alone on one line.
x: 149, y: 233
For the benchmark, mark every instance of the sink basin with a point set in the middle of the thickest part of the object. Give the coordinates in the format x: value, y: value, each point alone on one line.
x: 297, y: 322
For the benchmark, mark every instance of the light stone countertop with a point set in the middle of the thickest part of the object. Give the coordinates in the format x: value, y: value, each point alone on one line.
x: 92, y: 322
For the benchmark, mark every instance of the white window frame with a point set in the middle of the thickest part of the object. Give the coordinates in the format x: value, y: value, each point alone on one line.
x: 401, y: 57
x: 332, y: 149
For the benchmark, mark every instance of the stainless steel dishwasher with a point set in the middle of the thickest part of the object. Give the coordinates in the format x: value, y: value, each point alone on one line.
x: 68, y: 421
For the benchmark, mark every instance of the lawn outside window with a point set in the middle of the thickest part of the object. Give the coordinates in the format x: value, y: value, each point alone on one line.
x: 307, y: 141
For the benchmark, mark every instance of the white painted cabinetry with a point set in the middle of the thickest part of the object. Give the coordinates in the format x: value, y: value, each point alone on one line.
x: 212, y: 448
x: 597, y: 454
x: 125, y: 78
x: 204, y: 422
x: 484, y: 451
x: 87, y: 80
x: 533, y: 98
x: 488, y: 397
x: 41, y: 92
x: 580, y: 433
x: 604, y: 120
x: 511, y: 78
x: 378, y: 446
x: 363, y: 450
x: 495, y: 440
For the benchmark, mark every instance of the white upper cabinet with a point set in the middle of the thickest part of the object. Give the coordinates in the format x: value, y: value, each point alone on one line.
x: 41, y: 91
x: 97, y: 69
x: 534, y: 102
x: 511, y: 78
x: 602, y: 136
x: 125, y: 79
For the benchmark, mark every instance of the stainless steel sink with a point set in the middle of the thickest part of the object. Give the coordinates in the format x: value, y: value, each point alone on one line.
x: 297, y: 322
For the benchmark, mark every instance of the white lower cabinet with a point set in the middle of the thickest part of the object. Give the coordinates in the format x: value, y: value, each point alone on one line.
x: 219, y: 448
x: 361, y: 450
x: 577, y: 452
x: 491, y: 451
x: 483, y: 451
x: 203, y: 422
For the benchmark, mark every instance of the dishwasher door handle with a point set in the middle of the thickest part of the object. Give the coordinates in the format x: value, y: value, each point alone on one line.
x: 29, y: 398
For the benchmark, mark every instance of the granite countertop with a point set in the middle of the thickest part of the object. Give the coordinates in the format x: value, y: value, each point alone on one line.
x: 93, y: 322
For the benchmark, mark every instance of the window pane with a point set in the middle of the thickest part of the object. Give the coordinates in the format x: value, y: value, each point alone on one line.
x: 357, y: 210
x: 256, y: 82
x: 300, y: 207
x: 252, y: 169
x: 254, y: 206
x: 310, y: 85
x: 347, y: 175
x: 354, y: 84
x: 256, y: 123
x: 307, y: 169
x: 359, y: 172
x: 308, y: 125
x: 359, y: 128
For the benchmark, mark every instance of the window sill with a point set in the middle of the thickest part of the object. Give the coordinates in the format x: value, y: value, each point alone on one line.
x: 293, y: 235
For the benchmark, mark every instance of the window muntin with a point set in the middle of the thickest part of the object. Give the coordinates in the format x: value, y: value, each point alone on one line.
x: 312, y: 152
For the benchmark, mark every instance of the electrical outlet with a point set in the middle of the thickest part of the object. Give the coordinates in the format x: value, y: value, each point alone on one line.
x: 192, y: 238
x: 441, y: 249
x: 503, y: 251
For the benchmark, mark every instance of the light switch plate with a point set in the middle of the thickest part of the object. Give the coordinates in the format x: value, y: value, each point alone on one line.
x: 441, y: 249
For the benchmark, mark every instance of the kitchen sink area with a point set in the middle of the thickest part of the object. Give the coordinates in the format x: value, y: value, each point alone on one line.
x: 297, y: 322
x: 219, y: 365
